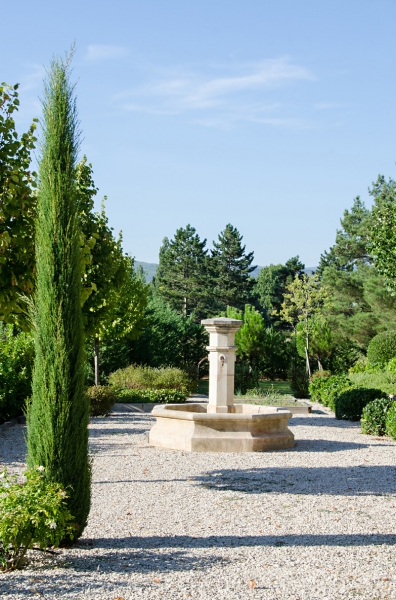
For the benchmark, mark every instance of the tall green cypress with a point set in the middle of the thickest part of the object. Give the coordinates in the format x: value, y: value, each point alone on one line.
x: 58, y: 415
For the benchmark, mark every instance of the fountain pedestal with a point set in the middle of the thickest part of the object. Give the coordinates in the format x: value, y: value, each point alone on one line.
x: 221, y: 426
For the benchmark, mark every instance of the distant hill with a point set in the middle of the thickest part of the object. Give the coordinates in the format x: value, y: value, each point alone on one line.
x: 151, y: 268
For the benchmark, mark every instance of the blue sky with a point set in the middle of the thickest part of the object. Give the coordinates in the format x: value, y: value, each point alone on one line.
x: 271, y: 116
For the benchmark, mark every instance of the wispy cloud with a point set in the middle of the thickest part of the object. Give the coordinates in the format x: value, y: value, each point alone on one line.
x: 98, y: 52
x: 240, y: 93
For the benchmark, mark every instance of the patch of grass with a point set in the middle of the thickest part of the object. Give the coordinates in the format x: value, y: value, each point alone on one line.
x: 271, y: 400
x: 278, y: 387
x: 281, y: 388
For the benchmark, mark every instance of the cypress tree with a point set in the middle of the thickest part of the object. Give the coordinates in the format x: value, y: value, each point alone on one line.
x: 57, y: 418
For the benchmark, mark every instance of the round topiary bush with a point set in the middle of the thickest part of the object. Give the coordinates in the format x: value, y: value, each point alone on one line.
x: 349, y: 404
x: 382, y: 348
x: 374, y: 416
x: 102, y: 399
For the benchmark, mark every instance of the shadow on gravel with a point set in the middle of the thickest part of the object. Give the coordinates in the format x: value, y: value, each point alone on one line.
x: 230, y: 541
x: 315, y: 421
x: 336, y: 481
x: 322, y: 445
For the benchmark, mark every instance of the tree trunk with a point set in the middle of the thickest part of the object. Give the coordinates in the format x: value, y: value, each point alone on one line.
x: 96, y: 360
x: 307, y: 356
x: 320, y: 365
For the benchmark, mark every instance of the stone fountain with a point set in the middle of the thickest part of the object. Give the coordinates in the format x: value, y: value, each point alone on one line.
x: 221, y: 425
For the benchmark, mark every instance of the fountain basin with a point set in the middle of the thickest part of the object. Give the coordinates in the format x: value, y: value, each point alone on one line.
x: 244, y: 428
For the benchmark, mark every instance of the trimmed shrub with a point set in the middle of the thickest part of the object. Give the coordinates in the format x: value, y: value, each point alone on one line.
x: 349, y: 404
x: 382, y: 348
x: 374, y: 416
x: 151, y: 396
x: 137, y: 377
x: 101, y: 398
x: 390, y: 426
x: 326, y: 389
x: 16, y: 363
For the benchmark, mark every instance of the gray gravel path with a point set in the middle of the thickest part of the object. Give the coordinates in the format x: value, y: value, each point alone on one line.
x: 317, y: 521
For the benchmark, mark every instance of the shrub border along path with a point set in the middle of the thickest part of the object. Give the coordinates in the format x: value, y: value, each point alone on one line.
x: 317, y: 521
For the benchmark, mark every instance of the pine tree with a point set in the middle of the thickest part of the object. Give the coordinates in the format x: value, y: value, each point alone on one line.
x: 231, y: 268
x: 58, y: 415
x: 182, y: 275
x: 352, y: 240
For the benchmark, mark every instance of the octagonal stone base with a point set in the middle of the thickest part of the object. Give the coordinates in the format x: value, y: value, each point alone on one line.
x: 246, y: 428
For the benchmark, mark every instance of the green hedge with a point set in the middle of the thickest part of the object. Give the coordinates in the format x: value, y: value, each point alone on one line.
x: 326, y: 389
x: 374, y: 416
x: 151, y: 396
x: 349, y: 404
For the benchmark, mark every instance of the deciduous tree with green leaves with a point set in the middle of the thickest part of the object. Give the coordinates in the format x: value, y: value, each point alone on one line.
x: 304, y: 301
x: 271, y: 286
x: 17, y: 210
x: 114, y: 296
x: 383, y: 231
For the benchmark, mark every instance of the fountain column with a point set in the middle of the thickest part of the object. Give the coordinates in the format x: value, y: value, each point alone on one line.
x: 221, y: 362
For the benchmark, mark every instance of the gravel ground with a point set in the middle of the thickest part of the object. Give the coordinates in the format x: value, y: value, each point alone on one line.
x: 316, y: 521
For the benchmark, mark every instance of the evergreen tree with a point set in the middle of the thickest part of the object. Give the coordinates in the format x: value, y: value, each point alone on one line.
x: 58, y: 415
x: 182, y: 275
x: 352, y: 240
x: 231, y: 268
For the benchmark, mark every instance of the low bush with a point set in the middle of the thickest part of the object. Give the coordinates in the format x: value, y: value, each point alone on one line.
x: 391, y: 366
x: 137, y: 377
x: 151, y: 396
x: 16, y: 363
x: 359, y: 366
x: 390, y: 425
x: 102, y: 398
x: 384, y: 381
x: 326, y: 389
x: 32, y: 514
x: 374, y: 415
x: 317, y: 382
x: 382, y: 348
x: 349, y: 404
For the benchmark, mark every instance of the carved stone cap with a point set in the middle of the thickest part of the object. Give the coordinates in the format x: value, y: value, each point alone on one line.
x: 223, y: 323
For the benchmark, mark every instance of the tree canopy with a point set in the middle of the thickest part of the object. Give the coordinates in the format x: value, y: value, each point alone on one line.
x: 17, y: 210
